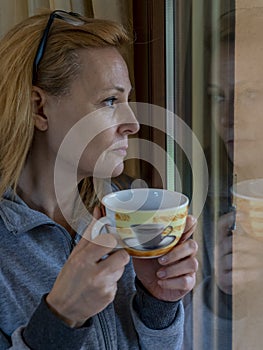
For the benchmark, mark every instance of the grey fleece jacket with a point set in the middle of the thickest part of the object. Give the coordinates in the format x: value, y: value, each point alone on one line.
x: 33, y: 250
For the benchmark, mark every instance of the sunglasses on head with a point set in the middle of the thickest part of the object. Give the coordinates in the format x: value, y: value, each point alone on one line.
x: 70, y: 17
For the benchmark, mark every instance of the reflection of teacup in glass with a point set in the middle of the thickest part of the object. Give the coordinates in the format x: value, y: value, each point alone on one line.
x: 147, y: 222
x: 248, y: 199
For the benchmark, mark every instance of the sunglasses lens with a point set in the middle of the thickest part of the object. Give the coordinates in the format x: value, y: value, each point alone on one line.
x: 70, y: 18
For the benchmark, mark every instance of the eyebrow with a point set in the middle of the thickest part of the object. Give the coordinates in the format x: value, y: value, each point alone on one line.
x: 215, y: 87
x: 119, y: 88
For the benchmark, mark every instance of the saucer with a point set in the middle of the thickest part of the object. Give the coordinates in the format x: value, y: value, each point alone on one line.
x: 136, y: 250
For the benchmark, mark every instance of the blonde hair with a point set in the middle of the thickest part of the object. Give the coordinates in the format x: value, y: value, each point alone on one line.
x: 58, y: 67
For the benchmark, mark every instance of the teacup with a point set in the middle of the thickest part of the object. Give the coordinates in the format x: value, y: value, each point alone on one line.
x: 147, y: 222
x: 248, y: 199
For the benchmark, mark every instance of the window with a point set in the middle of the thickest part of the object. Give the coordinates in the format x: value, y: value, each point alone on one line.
x: 201, y: 60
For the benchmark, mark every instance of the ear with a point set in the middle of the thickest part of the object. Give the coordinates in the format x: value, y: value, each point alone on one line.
x: 38, y: 100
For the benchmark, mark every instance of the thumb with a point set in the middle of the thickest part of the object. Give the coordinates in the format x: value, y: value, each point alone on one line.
x: 190, y: 226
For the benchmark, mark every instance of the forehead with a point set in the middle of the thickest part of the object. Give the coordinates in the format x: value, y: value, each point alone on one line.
x: 102, y: 62
x: 223, y: 61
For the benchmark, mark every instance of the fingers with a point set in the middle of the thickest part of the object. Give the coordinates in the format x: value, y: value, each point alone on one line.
x: 224, y: 282
x: 225, y: 223
x: 190, y: 226
x: 110, y: 271
x: 224, y: 247
x: 180, y: 251
x: 182, y: 284
x: 93, y: 251
x: 183, y: 267
x: 226, y: 263
x: 179, y: 267
x: 227, y: 220
x: 115, y: 261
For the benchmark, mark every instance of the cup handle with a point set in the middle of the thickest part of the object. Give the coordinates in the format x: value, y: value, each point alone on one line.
x: 98, y: 227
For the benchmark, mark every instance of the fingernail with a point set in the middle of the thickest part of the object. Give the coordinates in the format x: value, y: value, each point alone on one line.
x: 161, y: 274
x: 194, y: 220
x: 163, y: 259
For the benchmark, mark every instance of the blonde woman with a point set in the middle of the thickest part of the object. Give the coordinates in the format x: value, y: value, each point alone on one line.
x: 56, y: 291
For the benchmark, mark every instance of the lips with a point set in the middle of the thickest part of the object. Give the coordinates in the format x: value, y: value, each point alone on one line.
x: 122, y: 151
x: 119, y: 145
x: 120, y: 148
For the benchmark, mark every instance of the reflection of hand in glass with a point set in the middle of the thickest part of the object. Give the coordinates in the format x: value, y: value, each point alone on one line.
x: 223, y: 253
x: 238, y: 257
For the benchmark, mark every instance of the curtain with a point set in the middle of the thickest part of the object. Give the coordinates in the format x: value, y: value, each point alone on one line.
x: 14, y: 11
x: 121, y: 11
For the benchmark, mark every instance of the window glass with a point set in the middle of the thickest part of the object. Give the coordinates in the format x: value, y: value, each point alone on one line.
x: 217, y: 89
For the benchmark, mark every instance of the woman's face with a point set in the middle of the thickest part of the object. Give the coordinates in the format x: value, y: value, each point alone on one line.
x: 221, y: 90
x: 97, y: 112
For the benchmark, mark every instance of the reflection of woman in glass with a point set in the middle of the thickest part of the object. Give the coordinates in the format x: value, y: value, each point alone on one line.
x: 233, y: 263
x: 213, y: 297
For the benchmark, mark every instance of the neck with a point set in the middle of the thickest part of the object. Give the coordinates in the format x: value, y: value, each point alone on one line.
x: 37, y: 189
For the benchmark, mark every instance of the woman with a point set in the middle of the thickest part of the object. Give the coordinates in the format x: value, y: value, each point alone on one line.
x: 56, y: 290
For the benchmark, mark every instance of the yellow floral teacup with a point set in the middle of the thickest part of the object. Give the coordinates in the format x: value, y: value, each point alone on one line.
x: 147, y: 222
x: 248, y: 200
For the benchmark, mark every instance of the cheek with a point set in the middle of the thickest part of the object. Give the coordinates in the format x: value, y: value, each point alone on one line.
x: 95, y: 156
x: 60, y: 130
x: 248, y: 157
x: 91, y: 154
x: 100, y: 160
x: 55, y: 138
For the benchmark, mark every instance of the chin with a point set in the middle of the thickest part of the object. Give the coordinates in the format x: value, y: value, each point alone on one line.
x: 109, y: 172
x: 118, y: 170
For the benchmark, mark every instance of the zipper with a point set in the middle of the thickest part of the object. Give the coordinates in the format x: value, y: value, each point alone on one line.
x: 105, y: 332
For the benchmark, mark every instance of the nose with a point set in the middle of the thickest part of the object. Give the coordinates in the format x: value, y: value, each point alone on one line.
x: 227, y: 113
x: 128, y: 123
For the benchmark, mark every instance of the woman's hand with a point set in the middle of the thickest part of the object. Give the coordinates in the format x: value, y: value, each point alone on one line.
x: 173, y: 275
x: 87, y: 284
x: 238, y: 257
x: 223, y: 252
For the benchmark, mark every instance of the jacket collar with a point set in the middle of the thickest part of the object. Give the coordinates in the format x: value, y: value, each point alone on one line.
x: 17, y: 216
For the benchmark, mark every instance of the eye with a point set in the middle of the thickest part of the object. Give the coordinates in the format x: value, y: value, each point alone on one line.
x: 216, y: 95
x: 217, y: 98
x: 109, y: 102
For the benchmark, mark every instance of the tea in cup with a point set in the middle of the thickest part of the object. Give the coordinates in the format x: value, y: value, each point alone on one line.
x: 147, y: 222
